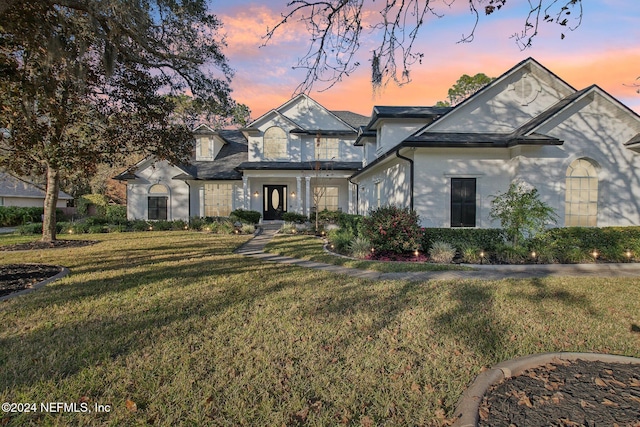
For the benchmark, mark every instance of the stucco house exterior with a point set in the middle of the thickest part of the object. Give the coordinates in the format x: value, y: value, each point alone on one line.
x: 20, y: 193
x: 294, y: 158
x: 579, y: 148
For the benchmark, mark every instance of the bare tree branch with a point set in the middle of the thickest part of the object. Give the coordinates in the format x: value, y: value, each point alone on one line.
x: 335, y: 29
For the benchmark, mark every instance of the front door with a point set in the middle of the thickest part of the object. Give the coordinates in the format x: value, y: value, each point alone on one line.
x: 275, y: 202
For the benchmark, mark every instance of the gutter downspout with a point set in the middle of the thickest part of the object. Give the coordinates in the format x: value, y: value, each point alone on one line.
x: 357, y: 195
x: 410, y: 178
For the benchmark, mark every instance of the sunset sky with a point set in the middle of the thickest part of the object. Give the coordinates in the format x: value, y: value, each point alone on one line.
x: 604, y: 50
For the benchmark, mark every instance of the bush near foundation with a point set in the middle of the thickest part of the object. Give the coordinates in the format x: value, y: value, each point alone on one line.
x: 392, y: 229
x: 245, y: 217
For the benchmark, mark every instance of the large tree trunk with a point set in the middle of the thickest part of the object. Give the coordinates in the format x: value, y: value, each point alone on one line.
x: 50, y: 202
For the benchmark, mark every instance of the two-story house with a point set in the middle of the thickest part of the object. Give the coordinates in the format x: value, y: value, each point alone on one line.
x: 295, y: 158
x: 579, y: 148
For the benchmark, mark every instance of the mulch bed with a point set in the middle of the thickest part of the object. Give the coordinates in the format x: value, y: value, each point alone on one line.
x: 38, y: 244
x: 563, y: 393
x: 16, y: 277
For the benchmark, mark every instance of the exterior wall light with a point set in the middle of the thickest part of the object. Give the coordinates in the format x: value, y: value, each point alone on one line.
x: 256, y: 194
x: 293, y: 194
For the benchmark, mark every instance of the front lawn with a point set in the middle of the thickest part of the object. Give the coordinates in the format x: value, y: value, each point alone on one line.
x: 171, y: 328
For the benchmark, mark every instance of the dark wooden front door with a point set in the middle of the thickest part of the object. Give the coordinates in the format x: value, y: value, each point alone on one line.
x: 275, y: 201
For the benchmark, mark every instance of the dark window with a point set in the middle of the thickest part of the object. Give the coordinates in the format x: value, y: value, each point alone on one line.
x: 158, y: 208
x: 463, y: 202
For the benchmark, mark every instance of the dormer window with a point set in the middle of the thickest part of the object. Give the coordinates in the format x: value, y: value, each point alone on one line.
x: 275, y: 143
x: 204, y: 148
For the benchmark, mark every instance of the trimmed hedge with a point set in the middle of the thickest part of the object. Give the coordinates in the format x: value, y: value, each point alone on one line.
x: 486, y: 239
x: 12, y: 216
x: 245, y: 217
x: 294, y: 217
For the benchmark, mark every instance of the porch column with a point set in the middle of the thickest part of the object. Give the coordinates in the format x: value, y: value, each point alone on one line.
x: 299, y: 194
x: 201, y: 197
x: 350, y: 187
x: 307, y: 195
x: 245, y: 193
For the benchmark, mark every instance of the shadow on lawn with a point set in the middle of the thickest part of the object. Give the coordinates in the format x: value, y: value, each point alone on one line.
x: 57, y: 351
x: 474, y: 318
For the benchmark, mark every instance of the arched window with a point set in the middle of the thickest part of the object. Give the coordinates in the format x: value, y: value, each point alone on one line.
x: 157, y: 202
x: 275, y: 143
x: 581, y: 198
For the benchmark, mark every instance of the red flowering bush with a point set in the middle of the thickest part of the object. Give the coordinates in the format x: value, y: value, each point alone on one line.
x: 392, y: 229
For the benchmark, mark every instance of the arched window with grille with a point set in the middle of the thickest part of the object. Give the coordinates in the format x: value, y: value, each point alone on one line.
x: 275, y: 144
x: 157, y: 202
x: 581, y: 198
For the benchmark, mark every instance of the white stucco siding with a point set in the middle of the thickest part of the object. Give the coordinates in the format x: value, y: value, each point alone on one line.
x: 27, y: 202
x: 160, y: 173
x: 597, y: 131
x: 391, y: 133
x: 434, y: 168
x: 309, y: 115
x: 506, y: 106
x: 388, y: 184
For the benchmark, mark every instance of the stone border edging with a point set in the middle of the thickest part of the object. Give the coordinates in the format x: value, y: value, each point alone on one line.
x: 469, y: 402
x: 64, y: 272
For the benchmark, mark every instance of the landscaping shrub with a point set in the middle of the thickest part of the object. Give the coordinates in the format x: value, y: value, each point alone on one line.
x: 245, y: 217
x: 295, y: 217
x: 470, y: 253
x: 442, y: 252
x: 248, y: 229
x: 140, y: 225
x: 484, y: 239
x: 360, y: 247
x: 179, y: 224
x: 100, y: 202
x: 352, y: 223
x: 521, y: 212
x: 288, y: 228
x: 95, y: 229
x: 28, y: 229
x: 12, y: 216
x: 96, y: 220
x: 162, y: 225
x: 116, y: 214
x: 509, y: 254
x: 340, y: 239
x: 329, y: 217
x: 392, y: 229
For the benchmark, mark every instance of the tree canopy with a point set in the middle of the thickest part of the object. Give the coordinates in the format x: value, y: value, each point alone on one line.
x: 464, y: 87
x: 84, y: 83
x: 337, y: 31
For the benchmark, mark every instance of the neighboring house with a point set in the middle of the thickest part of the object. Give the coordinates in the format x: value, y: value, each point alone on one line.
x: 580, y: 149
x: 16, y: 192
x: 295, y: 158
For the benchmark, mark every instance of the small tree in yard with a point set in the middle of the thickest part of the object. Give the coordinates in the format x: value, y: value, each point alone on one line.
x: 392, y: 229
x: 521, y: 212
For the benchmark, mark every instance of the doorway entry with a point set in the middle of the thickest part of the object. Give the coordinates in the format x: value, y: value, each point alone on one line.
x: 275, y: 202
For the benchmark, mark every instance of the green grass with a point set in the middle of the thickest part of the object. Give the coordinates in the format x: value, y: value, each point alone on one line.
x: 196, y: 335
x: 310, y: 248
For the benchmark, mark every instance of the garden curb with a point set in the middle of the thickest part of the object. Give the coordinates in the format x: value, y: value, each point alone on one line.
x: 469, y: 403
x: 64, y: 272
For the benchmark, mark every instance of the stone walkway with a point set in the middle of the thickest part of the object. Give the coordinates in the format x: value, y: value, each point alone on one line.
x: 254, y: 248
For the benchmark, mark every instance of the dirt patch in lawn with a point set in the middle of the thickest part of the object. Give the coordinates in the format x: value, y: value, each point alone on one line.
x: 16, y: 277
x: 38, y: 244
